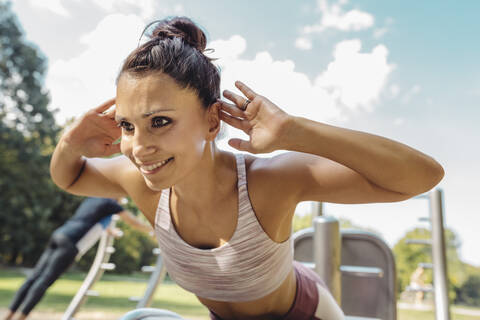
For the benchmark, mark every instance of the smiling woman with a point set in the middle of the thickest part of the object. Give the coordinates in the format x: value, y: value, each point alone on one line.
x: 227, y: 243
x: 163, y: 125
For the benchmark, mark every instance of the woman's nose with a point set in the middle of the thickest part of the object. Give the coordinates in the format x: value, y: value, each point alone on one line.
x: 143, y: 145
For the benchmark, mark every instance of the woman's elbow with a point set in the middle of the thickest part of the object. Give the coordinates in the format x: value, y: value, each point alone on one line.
x: 434, y: 174
x: 439, y: 173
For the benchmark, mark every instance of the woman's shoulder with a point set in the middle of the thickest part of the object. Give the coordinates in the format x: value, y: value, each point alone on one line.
x: 271, y: 199
x: 274, y: 166
x: 266, y: 176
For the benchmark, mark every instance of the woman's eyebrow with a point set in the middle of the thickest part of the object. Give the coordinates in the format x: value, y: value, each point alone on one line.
x: 148, y: 114
x: 145, y: 115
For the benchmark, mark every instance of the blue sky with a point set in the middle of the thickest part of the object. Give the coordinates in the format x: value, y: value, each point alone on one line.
x: 407, y: 70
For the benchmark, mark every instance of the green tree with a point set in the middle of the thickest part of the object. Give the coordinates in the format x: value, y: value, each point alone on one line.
x: 469, y: 292
x: 409, y: 256
x: 31, y: 204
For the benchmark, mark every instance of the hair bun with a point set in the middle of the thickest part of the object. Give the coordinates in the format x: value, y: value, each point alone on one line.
x: 180, y: 27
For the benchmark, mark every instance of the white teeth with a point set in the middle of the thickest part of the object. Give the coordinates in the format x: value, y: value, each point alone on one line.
x: 154, y: 166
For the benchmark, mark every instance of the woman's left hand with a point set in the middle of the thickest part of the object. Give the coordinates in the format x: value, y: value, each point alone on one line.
x: 264, y: 122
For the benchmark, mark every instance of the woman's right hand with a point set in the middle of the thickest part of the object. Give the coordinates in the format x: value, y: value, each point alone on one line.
x: 94, y: 134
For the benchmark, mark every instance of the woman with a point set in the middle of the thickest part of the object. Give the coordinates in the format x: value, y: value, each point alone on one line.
x: 228, y: 244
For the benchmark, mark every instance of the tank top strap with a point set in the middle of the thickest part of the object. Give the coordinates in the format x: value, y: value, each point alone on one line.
x: 241, y: 171
x: 162, y: 216
x: 246, y: 216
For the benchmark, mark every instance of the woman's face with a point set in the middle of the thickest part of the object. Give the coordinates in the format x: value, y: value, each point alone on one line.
x: 164, y: 127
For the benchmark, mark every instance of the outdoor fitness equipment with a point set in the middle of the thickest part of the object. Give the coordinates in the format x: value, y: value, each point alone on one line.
x: 357, y: 266
x: 99, y: 266
x: 157, y: 276
x: 437, y: 243
x: 338, y: 257
x: 150, y: 314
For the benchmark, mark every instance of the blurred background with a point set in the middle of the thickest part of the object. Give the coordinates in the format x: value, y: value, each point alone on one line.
x: 405, y: 70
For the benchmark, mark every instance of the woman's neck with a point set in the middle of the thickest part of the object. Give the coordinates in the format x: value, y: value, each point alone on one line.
x: 209, y: 182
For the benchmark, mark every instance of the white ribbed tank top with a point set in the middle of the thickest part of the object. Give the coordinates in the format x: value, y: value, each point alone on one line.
x: 248, y: 267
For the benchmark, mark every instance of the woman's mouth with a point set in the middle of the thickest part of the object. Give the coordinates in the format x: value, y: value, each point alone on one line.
x: 154, y: 168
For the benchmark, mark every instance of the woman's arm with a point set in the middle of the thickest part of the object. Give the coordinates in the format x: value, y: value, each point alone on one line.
x: 73, y: 166
x: 384, y: 163
x: 329, y: 163
x: 134, y: 222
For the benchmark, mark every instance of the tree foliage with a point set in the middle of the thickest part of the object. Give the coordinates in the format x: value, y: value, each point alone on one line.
x: 469, y: 292
x: 31, y: 205
x: 409, y: 256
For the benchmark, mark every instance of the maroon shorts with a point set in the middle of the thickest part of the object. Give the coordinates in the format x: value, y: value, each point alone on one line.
x: 306, y: 298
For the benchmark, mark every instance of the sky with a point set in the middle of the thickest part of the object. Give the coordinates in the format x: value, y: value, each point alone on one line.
x: 406, y: 70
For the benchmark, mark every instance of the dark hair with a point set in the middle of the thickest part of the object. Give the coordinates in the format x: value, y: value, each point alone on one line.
x: 175, y: 48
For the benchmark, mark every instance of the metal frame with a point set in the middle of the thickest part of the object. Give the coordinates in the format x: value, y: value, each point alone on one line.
x: 99, y: 265
x: 439, y: 261
x: 440, y: 279
x: 159, y: 272
x: 320, y: 249
x: 328, y: 250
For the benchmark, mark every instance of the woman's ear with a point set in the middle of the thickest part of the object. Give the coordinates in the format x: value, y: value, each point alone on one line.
x: 213, y: 118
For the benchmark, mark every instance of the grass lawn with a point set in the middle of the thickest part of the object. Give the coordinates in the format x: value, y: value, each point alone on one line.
x: 115, y: 290
x: 114, y: 293
x: 430, y: 315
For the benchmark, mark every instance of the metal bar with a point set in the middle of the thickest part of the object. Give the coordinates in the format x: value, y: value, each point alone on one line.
x: 422, y: 196
x: 326, y: 253
x: 317, y: 209
x: 148, y: 269
x: 426, y: 242
x: 155, y: 279
x: 440, y: 279
x: 358, y: 271
x: 95, y: 272
x: 416, y: 289
x: 309, y: 265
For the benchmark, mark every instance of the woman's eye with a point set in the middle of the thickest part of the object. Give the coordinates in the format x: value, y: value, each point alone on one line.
x: 126, y: 126
x: 158, y: 122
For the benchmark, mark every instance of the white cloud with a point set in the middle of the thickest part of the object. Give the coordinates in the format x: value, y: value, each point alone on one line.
x: 54, y: 6
x: 356, y: 78
x: 380, y: 32
x: 334, y: 17
x: 227, y: 50
x: 84, y: 81
x: 303, y: 43
x: 411, y: 93
x: 394, y: 90
x: 353, y: 79
x: 416, y: 89
x: 277, y: 80
x: 148, y: 9
x: 399, y: 121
